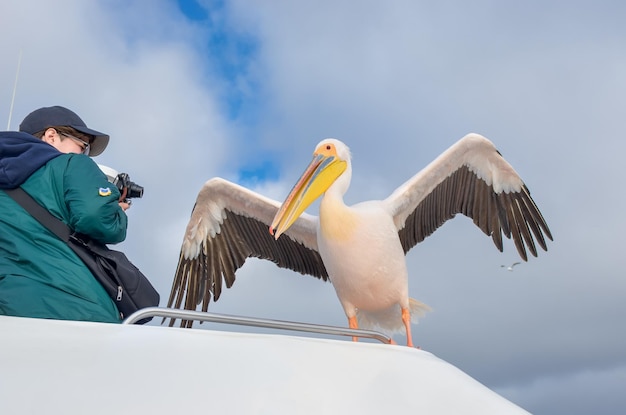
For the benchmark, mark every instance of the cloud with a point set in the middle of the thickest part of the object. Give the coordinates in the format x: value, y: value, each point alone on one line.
x: 572, y: 395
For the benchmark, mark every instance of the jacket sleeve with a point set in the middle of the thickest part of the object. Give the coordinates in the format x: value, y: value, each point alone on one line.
x: 93, y: 202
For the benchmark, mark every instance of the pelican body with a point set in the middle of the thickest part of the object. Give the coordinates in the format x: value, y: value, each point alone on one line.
x: 358, y: 244
x: 360, y: 248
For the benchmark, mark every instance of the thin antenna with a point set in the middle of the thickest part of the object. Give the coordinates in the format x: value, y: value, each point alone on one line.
x: 17, y: 73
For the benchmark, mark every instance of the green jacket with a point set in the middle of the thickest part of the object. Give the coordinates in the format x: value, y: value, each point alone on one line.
x: 40, y: 276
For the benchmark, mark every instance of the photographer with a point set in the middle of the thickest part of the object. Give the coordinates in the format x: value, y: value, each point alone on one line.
x: 40, y: 276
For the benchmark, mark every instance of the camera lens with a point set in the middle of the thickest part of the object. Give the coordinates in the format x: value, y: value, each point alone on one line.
x: 134, y: 190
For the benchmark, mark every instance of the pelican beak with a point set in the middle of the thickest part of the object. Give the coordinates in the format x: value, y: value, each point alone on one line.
x: 316, y: 179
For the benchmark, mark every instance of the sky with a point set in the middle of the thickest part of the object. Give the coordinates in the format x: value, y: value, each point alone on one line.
x: 245, y: 90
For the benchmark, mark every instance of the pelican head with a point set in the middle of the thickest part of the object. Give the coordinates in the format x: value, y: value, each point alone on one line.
x: 330, y: 161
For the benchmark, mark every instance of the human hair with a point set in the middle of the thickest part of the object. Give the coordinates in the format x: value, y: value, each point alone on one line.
x: 67, y: 130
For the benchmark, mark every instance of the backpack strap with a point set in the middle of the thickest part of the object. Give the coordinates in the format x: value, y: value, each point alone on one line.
x: 40, y: 213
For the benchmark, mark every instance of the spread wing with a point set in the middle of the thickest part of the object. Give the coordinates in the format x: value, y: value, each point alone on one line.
x: 471, y: 178
x: 229, y: 224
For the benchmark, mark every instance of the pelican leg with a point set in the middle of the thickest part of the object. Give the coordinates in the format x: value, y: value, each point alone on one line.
x: 406, y: 319
x: 353, y: 325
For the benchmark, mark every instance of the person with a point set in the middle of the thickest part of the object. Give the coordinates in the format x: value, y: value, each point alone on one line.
x: 49, y: 158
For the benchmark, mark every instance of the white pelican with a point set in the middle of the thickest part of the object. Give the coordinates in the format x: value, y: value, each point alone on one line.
x: 360, y: 248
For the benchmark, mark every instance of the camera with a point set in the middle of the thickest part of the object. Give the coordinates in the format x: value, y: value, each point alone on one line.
x: 128, y: 189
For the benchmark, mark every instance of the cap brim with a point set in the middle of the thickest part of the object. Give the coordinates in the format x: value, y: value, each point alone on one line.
x: 99, y: 142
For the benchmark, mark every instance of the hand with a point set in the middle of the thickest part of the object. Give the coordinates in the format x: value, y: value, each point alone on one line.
x: 124, y: 205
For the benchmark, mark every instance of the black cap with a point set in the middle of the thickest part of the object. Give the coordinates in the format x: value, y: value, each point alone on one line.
x: 58, y: 116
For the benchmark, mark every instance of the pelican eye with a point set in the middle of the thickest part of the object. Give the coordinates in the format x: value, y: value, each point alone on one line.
x: 328, y: 147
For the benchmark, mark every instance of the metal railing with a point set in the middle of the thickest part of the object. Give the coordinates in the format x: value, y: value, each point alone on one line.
x: 253, y: 322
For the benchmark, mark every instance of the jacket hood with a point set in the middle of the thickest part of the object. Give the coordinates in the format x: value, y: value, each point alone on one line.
x: 20, y: 155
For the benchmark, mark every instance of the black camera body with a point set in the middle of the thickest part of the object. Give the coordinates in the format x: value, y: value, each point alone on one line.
x: 127, y: 188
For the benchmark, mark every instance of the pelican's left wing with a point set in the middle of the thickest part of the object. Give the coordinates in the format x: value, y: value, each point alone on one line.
x: 472, y: 178
x: 229, y: 224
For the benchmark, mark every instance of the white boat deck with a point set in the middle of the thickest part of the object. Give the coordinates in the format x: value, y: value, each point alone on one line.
x: 66, y: 367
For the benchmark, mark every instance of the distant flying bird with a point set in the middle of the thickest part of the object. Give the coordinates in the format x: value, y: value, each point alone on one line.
x: 360, y: 248
x: 510, y: 267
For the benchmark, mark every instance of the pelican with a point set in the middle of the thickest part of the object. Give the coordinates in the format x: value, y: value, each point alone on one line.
x: 361, y: 248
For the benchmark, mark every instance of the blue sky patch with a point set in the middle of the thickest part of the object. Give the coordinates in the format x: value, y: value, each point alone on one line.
x: 261, y: 172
